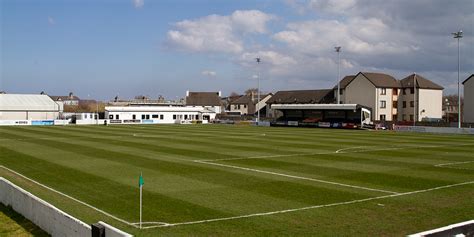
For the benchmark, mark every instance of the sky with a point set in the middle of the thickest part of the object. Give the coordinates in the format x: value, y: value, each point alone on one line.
x: 100, y: 49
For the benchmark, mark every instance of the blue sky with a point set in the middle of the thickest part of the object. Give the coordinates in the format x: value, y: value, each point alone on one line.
x: 104, y: 48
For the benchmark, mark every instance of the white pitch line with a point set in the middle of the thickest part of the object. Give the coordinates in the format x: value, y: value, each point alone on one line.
x: 310, y: 207
x: 349, y: 148
x: 294, y: 177
x: 72, y: 198
x: 456, y: 163
x: 340, y: 151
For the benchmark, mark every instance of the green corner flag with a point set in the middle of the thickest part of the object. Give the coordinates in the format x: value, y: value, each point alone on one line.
x: 140, y: 181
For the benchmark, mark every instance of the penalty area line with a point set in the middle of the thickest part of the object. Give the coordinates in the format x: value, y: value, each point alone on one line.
x: 310, y: 207
x: 75, y: 199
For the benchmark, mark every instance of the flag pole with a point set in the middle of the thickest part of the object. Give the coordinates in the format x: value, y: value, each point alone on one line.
x: 141, y: 187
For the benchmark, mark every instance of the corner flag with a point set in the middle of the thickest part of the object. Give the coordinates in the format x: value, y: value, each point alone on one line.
x: 140, y: 181
x: 140, y: 185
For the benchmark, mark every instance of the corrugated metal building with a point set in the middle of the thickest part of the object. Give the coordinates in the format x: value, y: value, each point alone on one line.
x: 28, y: 107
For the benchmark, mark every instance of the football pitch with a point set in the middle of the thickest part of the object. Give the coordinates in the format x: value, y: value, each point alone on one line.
x: 227, y: 180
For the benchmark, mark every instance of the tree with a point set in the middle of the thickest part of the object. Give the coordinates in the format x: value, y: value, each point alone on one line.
x: 251, y: 90
x: 233, y: 94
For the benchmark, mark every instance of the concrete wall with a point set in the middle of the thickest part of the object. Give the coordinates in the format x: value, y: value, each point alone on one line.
x: 469, y: 101
x: 46, y: 216
x: 447, y: 130
x: 362, y: 91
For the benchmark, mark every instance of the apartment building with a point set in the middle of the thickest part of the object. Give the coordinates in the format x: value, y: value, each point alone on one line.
x: 375, y: 90
x: 420, y: 99
x: 391, y: 99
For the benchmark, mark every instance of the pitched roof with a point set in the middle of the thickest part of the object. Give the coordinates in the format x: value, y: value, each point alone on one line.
x: 345, y: 81
x: 27, y: 102
x: 246, y: 99
x: 472, y: 76
x: 381, y: 80
x: 302, y: 97
x: 421, y: 83
x: 203, y: 99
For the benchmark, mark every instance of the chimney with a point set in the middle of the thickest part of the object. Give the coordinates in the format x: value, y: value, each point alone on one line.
x: 220, y: 93
x: 71, y: 95
x: 187, y: 93
x: 253, y: 97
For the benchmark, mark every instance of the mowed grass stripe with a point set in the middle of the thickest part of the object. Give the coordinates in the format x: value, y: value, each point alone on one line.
x: 103, y: 193
x: 271, y: 187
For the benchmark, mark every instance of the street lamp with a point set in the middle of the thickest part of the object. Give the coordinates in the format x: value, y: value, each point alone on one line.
x: 458, y: 36
x: 258, y: 91
x: 338, y: 50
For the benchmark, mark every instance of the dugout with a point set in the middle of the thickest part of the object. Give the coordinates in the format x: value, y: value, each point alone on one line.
x: 323, y: 115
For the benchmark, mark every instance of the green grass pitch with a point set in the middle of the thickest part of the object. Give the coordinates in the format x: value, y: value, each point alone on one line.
x: 222, y: 180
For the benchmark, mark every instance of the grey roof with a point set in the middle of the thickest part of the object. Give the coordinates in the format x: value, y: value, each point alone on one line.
x: 472, y: 76
x: 421, y: 83
x: 345, y: 81
x: 246, y: 99
x: 381, y: 80
x: 27, y: 102
x: 203, y: 99
x: 302, y: 97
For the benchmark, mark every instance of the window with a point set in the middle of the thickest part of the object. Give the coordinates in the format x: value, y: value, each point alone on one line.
x: 382, y: 117
x: 404, y: 91
x: 117, y: 116
x: 147, y: 116
x: 174, y: 116
x: 238, y: 106
x: 235, y: 106
x: 395, y: 91
x: 95, y: 116
x: 111, y: 116
x: 162, y: 116
x: 154, y: 116
x: 185, y: 117
x: 341, y: 91
x: 395, y: 104
x: 404, y: 104
x: 383, y: 91
x: 143, y: 116
x: 383, y: 104
x: 404, y: 117
x: 411, y: 117
x: 134, y: 116
x: 412, y: 104
x: 245, y: 106
x: 412, y: 91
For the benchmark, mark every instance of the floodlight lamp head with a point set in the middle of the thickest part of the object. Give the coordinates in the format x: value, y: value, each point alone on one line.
x: 457, y: 35
x: 338, y: 49
x: 258, y: 60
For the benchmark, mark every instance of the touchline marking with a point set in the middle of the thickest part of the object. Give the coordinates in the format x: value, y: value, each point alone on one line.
x: 310, y: 207
x: 72, y: 198
x: 456, y: 163
x: 340, y: 151
x: 294, y: 177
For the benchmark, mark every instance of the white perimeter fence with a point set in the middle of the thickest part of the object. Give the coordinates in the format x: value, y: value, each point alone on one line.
x: 422, y: 129
x: 46, y: 216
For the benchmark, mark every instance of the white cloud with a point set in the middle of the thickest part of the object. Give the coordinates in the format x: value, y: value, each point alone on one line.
x: 51, y: 20
x: 138, y: 3
x: 357, y: 35
x: 209, y: 73
x: 216, y: 33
